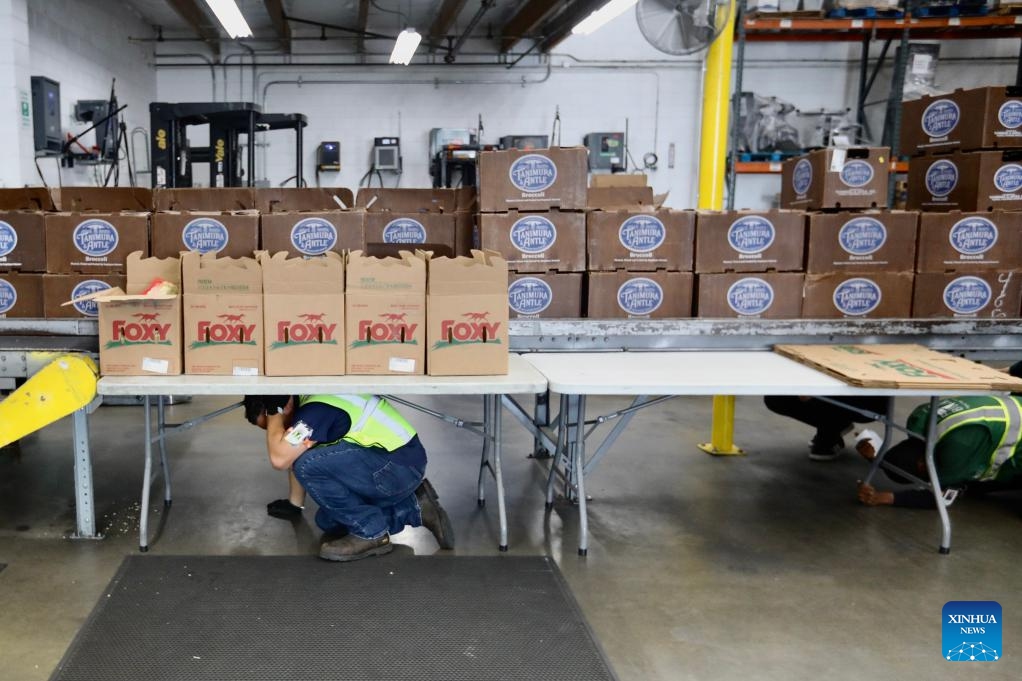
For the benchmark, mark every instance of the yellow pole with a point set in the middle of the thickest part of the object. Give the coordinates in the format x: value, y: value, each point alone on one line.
x: 712, y: 170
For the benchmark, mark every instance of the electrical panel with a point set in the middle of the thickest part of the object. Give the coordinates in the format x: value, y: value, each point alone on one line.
x: 95, y: 110
x: 387, y: 153
x: 524, y: 142
x: 606, y: 150
x: 328, y: 156
x: 46, y: 114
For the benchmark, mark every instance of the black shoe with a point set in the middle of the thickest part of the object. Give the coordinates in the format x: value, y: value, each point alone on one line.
x: 825, y: 447
x: 351, y: 548
x: 284, y: 509
x: 434, y: 517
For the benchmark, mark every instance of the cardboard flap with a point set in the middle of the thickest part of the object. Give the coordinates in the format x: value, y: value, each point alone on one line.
x: 207, y: 273
x: 100, y: 296
x: 376, y: 200
x: 614, y: 198
x: 142, y: 271
x: 618, y: 180
x: 29, y: 198
x: 407, y: 273
x: 103, y: 199
x: 485, y: 272
x: 218, y: 199
x: 280, y: 200
x: 300, y: 275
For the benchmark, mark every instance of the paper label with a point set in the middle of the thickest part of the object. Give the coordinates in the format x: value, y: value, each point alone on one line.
x: 837, y: 160
x: 246, y: 371
x: 155, y: 366
x: 401, y: 364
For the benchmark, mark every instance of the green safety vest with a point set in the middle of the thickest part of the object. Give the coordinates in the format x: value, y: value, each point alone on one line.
x: 374, y: 423
x: 1001, y: 416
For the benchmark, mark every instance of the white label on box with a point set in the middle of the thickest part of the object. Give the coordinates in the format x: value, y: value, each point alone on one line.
x: 246, y: 371
x: 857, y: 23
x: 775, y: 167
x: 402, y: 364
x: 785, y: 23
x: 837, y: 160
x: 954, y: 21
x: 156, y: 366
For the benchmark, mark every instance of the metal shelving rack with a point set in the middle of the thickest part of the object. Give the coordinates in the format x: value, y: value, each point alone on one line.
x: 864, y: 31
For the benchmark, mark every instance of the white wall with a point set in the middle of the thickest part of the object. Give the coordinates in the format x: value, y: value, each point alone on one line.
x: 596, y: 81
x: 83, y: 44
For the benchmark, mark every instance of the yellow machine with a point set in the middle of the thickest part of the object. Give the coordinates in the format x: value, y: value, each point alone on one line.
x: 62, y: 387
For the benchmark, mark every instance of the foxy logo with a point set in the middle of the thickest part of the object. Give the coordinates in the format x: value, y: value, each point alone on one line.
x: 233, y: 329
x: 313, y: 329
x: 475, y: 329
x: 390, y: 328
x: 146, y: 331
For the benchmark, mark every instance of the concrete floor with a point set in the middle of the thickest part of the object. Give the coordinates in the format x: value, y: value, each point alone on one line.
x: 760, y: 567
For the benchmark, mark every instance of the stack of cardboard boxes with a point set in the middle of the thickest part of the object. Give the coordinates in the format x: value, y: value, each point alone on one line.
x: 859, y: 257
x: 965, y: 172
x: 23, y: 251
x: 224, y: 222
x: 309, y: 221
x: 532, y: 207
x: 639, y: 254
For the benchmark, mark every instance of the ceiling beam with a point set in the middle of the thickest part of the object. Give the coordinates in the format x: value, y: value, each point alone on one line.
x: 197, y: 20
x: 363, y: 24
x: 275, y: 8
x: 560, y: 27
x: 445, y: 18
x: 523, y: 24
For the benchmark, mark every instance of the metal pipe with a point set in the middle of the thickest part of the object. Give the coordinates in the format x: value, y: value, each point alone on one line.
x: 484, y: 7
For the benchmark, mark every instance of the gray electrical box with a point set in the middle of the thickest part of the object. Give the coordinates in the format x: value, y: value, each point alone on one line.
x: 606, y: 150
x: 46, y: 114
x: 387, y: 153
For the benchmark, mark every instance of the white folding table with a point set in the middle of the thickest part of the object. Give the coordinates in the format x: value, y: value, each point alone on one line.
x: 670, y: 374
x: 522, y: 378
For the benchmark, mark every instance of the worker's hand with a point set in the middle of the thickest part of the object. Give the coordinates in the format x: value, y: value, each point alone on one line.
x: 870, y: 496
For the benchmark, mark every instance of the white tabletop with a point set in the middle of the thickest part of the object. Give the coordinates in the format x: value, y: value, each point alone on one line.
x: 521, y: 378
x: 697, y: 373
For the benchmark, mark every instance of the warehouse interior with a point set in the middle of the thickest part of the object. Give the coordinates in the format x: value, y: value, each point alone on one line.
x: 720, y: 192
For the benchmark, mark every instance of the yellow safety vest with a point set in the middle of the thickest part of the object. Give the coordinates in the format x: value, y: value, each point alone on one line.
x: 374, y: 423
x: 1001, y: 415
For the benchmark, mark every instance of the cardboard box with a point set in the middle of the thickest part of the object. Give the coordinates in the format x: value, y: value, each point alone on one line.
x: 313, y: 232
x: 227, y: 234
x: 644, y: 295
x: 385, y: 314
x: 836, y: 178
x: 140, y: 335
x: 772, y: 295
x: 465, y: 233
x: 549, y: 295
x: 291, y: 199
x: 858, y: 296
x: 60, y: 288
x: 214, y: 200
x: 967, y: 242
x: 428, y: 231
x: 223, y: 315
x: 467, y: 315
x: 33, y: 199
x: 750, y: 241
x: 430, y: 200
x: 661, y: 239
x: 303, y: 314
x: 862, y: 242
x: 21, y: 295
x: 977, y: 181
x: 94, y: 243
x: 540, y: 179
x: 963, y: 120
x: 978, y: 295
x: 536, y: 242
x: 103, y: 199
x: 22, y: 229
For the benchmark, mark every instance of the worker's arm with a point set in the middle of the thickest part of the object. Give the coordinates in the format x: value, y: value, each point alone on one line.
x: 282, y: 452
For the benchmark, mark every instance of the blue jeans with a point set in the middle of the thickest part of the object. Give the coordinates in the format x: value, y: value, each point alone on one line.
x: 359, y: 489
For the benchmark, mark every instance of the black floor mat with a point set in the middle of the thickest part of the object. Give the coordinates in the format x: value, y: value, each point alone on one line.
x: 442, y: 618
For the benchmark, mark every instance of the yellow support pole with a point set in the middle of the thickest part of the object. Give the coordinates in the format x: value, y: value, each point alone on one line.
x: 712, y: 170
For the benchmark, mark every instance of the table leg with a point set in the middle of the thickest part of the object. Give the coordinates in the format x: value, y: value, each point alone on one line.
x: 579, y: 470
x: 161, y: 429
x: 541, y: 417
x: 560, y: 451
x: 143, y: 520
x: 85, y: 511
x: 484, y: 461
x: 888, y: 441
x: 931, y: 469
x: 496, y: 413
x: 576, y: 432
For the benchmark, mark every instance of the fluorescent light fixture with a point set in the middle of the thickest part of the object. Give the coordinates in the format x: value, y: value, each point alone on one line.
x: 404, y: 47
x: 596, y: 20
x: 230, y: 17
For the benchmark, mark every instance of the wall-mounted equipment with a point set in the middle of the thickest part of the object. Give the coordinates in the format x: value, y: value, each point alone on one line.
x: 387, y: 154
x: 46, y: 114
x: 95, y: 111
x: 524, y: 142
x: 328, y: 157
x: 606, y: 150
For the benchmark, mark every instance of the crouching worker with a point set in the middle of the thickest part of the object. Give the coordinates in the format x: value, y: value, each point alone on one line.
x: 978, y: 439
x: 360, y: 461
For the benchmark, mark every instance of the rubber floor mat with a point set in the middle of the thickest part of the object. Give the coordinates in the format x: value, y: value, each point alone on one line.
x: 250, y: 618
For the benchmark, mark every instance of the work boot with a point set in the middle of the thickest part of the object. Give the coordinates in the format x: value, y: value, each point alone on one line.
x: 434, y: 517
x: 350, y: 548
x: 826, y: 447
